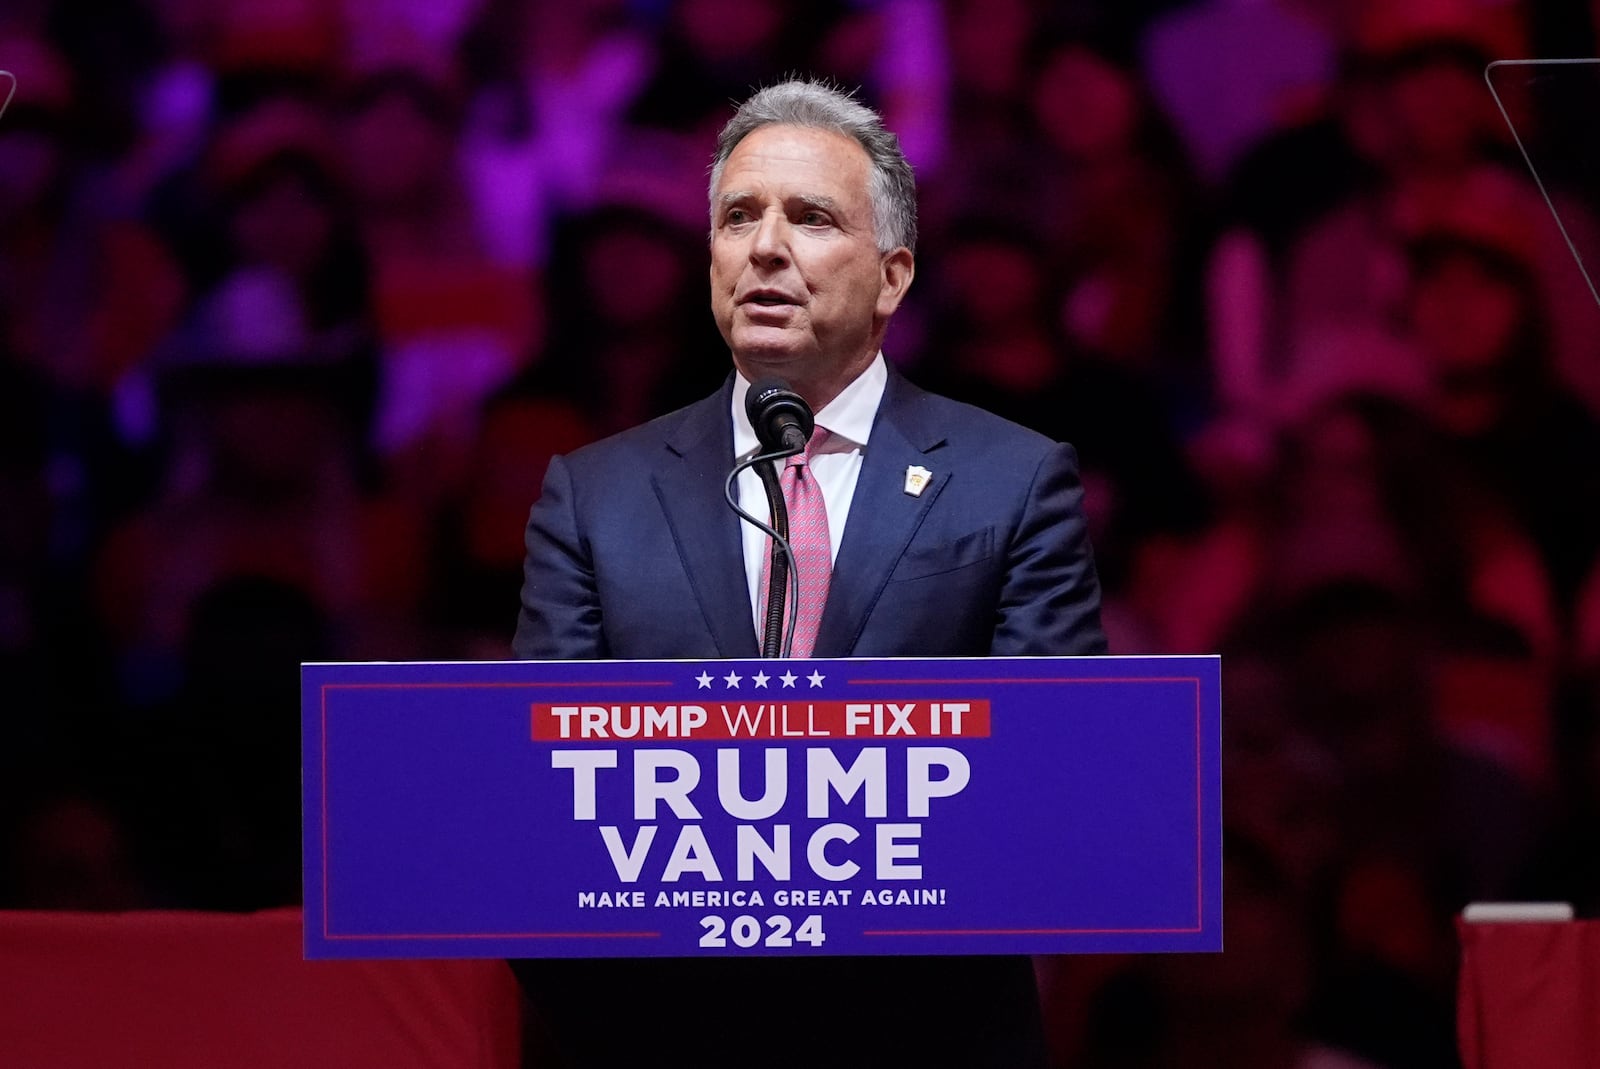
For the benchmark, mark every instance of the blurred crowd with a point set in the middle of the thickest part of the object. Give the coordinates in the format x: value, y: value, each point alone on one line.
x: 297, y: 299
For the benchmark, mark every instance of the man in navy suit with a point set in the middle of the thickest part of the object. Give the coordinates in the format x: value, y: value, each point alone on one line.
x: 953, y: 533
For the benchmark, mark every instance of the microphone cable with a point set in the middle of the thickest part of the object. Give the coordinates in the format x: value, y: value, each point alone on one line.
x: 780, y: 543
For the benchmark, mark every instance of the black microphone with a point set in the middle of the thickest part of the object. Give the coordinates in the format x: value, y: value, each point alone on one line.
x: 781, y: 417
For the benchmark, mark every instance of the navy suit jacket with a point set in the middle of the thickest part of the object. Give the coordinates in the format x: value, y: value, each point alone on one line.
x: 634, y: 553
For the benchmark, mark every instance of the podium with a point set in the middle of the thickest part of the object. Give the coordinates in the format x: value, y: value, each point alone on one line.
x: 1529, y: 994
x: 762, y: 808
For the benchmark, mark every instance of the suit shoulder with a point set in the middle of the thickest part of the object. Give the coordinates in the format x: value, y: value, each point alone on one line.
x: 966, y: 423
x: 630, y: 447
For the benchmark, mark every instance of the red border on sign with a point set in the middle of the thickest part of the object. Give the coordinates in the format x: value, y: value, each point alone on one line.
x: 1198, y: 927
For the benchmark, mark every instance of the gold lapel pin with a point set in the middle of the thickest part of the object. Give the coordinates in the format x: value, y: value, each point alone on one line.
x: 917, y: 479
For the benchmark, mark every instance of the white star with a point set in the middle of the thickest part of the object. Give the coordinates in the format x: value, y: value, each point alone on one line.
x: 761, y: 680
x: 816, y: 678
x: 704, y: 679
x: 732, y: 679
x: 788, y: 679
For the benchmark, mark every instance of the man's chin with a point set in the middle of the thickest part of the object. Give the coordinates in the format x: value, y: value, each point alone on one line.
x: 771, y: 354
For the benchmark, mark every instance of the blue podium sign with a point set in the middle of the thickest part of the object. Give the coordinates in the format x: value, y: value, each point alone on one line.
x: 698, y: 808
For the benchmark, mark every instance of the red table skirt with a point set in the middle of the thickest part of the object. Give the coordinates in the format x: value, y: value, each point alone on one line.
x: 206, y: 990
x: 1530, y: 995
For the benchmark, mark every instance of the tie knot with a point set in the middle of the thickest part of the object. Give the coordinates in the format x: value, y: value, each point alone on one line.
x: 800, y: 459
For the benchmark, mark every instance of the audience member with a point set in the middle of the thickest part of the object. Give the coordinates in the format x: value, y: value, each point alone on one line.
x: 1120, y: 210
x: 453, y: 323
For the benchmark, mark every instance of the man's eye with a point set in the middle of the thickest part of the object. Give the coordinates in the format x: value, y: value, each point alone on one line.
x: 736, y: 215
x: 813, y: 219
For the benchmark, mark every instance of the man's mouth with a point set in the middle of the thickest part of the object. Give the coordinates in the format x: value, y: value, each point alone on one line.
x: 768, y: 299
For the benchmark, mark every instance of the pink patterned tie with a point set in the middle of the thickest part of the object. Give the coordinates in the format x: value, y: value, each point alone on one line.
x: 808, y: 537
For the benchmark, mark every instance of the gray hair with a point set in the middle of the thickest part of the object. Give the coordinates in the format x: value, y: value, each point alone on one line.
x: 892, y: 186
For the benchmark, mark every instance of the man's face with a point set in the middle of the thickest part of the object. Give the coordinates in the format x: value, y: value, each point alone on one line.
x: 798, y: 286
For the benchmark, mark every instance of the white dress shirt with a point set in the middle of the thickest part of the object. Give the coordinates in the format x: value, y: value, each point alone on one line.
x: 836, y: 465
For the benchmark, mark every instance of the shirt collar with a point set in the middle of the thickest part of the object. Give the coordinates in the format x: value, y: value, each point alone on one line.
x: 848, y: 416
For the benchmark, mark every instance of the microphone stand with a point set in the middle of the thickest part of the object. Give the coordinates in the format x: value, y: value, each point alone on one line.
x: 778, y: 571
x: 782, y: 561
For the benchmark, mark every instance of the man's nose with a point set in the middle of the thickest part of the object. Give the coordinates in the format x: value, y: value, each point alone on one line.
x: 770, y: 248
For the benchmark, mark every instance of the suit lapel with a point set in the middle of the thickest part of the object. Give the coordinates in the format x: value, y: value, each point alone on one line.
x: 883, y: 517
x: 689, y: 484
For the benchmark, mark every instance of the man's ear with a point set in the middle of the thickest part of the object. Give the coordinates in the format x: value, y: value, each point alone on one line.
x: 898, y: 269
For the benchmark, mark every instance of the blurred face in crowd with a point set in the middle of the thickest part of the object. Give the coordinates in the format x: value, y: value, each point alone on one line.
x: 988, y: 40
x: 397, y: 153
x: 1468, y: 320
x: 655, y: 273
x: 1086, y: 106
x: 994, y: 291
x: 798, y: 286
x: 285, y: 222
x: 1439, y: 112
x: 995, y: 284
x: 1464, y: 316
x: 271, y: 446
